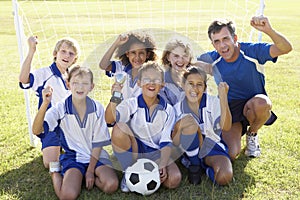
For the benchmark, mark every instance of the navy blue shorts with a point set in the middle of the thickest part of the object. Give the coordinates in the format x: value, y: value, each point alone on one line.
x: 236, y: 108
x: 68, y: 162
x: 49, y: 139
x: 145, y: 151
x: 219, y: 149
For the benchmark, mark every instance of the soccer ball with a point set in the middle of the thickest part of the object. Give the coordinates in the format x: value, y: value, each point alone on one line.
x: 143, y: 177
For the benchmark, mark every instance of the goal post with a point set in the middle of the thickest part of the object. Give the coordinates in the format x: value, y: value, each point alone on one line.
x: 95, y: 24
x: 21, y: 38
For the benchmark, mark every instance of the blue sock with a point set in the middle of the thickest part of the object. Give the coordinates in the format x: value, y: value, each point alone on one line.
x: 124, y: 158
x: 211, y: 174
x: 190, y: 143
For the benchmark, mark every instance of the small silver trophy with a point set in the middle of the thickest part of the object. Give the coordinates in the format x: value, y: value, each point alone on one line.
x: 119, y: 78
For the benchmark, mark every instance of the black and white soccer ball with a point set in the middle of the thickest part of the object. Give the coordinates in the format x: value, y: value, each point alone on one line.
x: 143, y: 177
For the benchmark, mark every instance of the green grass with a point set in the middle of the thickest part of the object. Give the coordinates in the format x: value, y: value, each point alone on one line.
x: 275, y: 175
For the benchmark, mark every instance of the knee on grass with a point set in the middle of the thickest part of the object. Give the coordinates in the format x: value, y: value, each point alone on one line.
x: 223, y: 176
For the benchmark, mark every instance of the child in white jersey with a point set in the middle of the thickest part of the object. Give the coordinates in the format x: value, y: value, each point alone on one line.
x: 83, y: 132
x: 143, y: 127
x: 132, y: 49
x: 65, y: 54
x: 201, y: 118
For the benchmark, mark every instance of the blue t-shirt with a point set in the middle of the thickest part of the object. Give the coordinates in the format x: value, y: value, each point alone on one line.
x: 245, y: 76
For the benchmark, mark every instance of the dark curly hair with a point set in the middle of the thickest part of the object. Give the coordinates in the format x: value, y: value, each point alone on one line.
x: 140, y: 37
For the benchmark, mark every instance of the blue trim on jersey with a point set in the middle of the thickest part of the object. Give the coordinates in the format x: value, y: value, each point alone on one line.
x: 165, y: 144
x: 186, y: 109
x: 31, y: 77
x: 65, y: 145
x: 162, y: 105
x: 113, y: 70
x: 127, y: 69
x: 57, y: 73
x: 90, y: 108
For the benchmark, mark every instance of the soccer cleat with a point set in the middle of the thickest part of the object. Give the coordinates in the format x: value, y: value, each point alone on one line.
x: 54, y: 167
x: 194, y: 174
x: 252, y: 148
x: 123, y: 185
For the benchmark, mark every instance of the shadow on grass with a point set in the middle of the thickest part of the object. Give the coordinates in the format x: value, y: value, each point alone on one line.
x: 29, y: 181
x: 32, y: 181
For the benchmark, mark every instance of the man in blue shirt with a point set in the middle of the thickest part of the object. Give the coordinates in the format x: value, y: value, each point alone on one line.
x: 239, y: 64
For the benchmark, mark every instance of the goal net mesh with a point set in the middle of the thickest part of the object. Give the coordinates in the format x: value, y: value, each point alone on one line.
x: 96, y: 24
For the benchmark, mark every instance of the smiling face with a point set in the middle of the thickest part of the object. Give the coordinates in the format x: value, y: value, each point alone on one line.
x: 225, y: 44
x: 137, y: 55
x: 151, y: 82
x: 65, y: 57
x: 194, y: 87
x: 179, y: 58
x: 80, y: 82
x: 80, y: 86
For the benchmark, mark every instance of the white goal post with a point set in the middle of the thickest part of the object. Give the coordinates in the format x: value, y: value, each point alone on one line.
x: 95, y: 24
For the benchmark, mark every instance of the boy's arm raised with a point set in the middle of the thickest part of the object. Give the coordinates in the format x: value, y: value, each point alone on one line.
x: 37, y: 126
x: 26, y: 66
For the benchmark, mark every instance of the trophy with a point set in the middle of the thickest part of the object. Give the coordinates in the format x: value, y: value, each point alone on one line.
x: 120, y: 78
x: 117, y: 96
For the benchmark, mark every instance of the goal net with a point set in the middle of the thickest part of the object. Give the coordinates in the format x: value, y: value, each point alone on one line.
x: 95, y: 25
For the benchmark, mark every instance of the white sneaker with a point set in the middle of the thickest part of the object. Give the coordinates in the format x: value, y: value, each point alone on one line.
x: 54, y: 167
x: 252, y: 148
x: 123, y: 185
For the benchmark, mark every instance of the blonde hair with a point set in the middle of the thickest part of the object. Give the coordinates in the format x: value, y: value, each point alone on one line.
x: 71, y: 43
x: 174, y: 43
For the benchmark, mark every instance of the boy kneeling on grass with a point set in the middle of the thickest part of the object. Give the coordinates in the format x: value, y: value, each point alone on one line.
x: 143, y: 127
x: 79, y: 121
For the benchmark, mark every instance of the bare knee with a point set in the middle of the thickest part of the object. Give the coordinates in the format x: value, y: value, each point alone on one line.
x: 120, y: 137
x: 50, y: 154
x: 173, y: 181
x: 223, y: 176
x: 67, y: 195
x: 110, y: 186
x: 234, y: 152
x: 260, y: 104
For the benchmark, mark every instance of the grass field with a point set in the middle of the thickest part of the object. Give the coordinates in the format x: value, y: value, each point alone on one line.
x: 275, y: 175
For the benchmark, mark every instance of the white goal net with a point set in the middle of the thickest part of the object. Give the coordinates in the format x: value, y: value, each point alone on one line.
x: 95, y: 24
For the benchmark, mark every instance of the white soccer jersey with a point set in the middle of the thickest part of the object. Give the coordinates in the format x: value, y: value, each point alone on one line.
x: 78, y: 138
x: 208, y: 120
x: 130, y: 87
x: 41, y: 78
x: 154, y: 130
